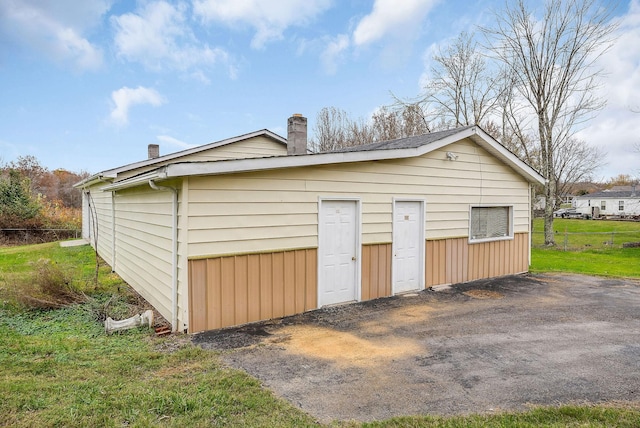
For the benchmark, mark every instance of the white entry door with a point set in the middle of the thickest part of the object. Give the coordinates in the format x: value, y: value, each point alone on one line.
x: 408, y: 246
x: 337, y: 252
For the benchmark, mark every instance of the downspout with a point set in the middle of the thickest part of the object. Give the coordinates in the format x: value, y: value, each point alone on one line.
x: 174, y: 256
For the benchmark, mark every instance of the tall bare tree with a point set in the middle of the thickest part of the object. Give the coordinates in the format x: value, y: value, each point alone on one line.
x: 463, y: 88
x: 553, y: 62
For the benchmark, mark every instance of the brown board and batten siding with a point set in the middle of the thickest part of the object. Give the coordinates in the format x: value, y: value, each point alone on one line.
x: 232, y: 290
x: 276, y: 212
x: 454, y: 260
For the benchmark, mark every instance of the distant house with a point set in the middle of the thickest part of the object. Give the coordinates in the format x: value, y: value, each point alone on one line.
x: 253, y: 227
x: 621, y: 201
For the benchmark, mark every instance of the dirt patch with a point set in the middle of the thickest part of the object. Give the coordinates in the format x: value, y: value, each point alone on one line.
x: 483, y: 294
x: 343, y: 349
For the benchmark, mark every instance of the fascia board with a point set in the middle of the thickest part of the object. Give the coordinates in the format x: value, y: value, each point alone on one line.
x: 157, y: 174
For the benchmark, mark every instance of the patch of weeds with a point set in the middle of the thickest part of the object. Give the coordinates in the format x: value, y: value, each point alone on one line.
x: 48, y: 286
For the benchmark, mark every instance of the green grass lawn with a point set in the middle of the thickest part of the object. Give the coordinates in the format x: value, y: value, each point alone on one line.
x: 593, y: 248
x: 58, y: 368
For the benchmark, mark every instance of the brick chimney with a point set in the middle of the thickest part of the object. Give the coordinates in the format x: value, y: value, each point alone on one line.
x: 297, y: 135
x: 154, y: 151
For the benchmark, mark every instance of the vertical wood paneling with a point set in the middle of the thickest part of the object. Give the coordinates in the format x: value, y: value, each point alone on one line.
x: 214, y: 307
x: 266, y: 286
x: 449, y: 261
x: 366, y: 272
x: 227, y: 291
x: 198, y: 293
x: 376, y: 271
x: 311, y: 298
x: 278, y: 285
x: 253, y: 287
x: 289, y: 272
x: 300, y: 264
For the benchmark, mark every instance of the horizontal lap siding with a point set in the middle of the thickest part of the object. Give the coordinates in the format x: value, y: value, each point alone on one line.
x: 227, y: 291
x: 277, y: 210
x: 376, y: 271
x: 102, y: 206
x: 256, y: 147
x: 144, y: 221
x: 450, y: 261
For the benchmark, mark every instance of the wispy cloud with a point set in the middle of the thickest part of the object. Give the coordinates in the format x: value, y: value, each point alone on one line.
x: 268, y: 19
x: 125, y: 98
x: 170, y: 141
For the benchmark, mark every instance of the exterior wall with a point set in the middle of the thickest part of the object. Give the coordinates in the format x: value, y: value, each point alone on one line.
x: 227, y: 291
x: 144, y: 257
x: 238, y: 224
x: 256, y: 147
x: 631, y: 206
x: 455, y: 260
x: 100, y: 228
x: 277, y: 210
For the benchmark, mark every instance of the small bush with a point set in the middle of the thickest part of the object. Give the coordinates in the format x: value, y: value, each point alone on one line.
x: 47, y: 287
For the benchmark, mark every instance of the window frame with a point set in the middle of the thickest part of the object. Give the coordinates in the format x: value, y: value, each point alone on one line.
x: 510, y: 216
x: 603, y: 205
x: 621, y: 205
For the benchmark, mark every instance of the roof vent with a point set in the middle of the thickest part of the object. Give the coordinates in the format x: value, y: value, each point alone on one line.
x: 154, y: 151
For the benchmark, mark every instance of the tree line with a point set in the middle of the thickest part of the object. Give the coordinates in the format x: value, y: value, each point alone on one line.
x: 34, y: 197
x: 529, y: 80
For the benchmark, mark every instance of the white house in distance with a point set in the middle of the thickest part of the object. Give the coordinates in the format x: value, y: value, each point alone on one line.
x: 253, y: 227
x: 621, y: 201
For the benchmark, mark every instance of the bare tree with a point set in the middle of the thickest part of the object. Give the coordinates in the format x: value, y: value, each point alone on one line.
x: 575, y: 161
x: 463, y: 89
x: 334, y: 128
x: 552, y: 61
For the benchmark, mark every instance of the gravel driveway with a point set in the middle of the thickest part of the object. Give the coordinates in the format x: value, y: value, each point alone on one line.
x: 483, y: 346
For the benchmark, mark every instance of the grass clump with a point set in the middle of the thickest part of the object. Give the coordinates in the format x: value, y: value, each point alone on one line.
x: 48, y: 286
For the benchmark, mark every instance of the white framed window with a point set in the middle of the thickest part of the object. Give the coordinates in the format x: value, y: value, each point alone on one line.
x: 490, y: 223
x: 603, y: 205
x: 620, y: 205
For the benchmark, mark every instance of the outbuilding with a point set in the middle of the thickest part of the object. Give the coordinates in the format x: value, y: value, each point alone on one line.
x: 254, y: 227
x: 622, y: 201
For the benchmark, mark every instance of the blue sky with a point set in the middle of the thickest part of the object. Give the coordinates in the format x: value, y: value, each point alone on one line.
x: 88, y: 84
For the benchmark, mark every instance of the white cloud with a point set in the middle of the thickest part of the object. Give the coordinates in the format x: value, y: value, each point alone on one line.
x: 170, y: 141
x: 55, y: 29
x: 268, y: 19
x: 159, y: 36
x: 334, y: 52
x: 125, y: 98
x: 400, y: 19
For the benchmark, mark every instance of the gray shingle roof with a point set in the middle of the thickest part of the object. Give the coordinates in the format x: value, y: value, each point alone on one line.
x: 404, y: 143
x: 610, y: 194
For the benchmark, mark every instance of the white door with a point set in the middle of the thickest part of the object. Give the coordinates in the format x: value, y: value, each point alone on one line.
x: 337, y: 252
x: 408, y: 245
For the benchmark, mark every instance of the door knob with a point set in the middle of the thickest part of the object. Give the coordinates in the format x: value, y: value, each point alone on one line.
x: 353, y: 258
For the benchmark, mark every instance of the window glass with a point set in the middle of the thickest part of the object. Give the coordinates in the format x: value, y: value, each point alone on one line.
x: 620, y: 205
x: 603, y: 205
x: 490, y: 222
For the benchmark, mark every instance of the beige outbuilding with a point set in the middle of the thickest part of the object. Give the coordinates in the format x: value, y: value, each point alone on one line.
x: 254, y: 227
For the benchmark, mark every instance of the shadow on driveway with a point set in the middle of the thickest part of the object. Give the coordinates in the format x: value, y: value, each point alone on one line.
x: 483, y: 346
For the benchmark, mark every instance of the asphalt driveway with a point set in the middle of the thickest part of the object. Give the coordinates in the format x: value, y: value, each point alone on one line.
x: 483, y: 346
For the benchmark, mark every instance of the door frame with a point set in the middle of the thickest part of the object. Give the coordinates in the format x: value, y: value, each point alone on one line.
x: 358, y: 243
x: 421, y: 256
